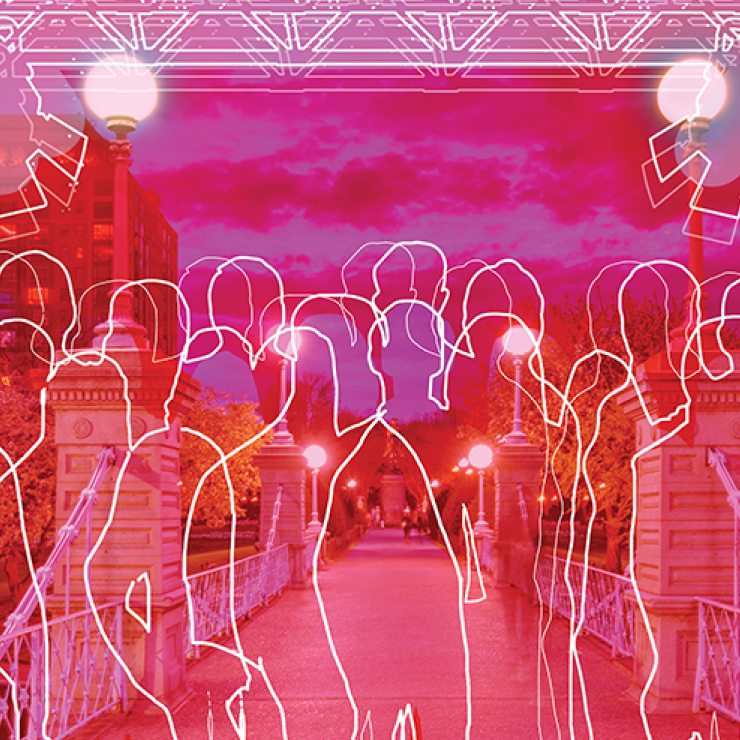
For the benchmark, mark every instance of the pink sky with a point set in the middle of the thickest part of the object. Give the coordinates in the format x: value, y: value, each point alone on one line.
x: 304, y: 178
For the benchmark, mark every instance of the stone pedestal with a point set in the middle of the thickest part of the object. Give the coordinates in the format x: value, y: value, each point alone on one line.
x: 685, y: 528
x: 393, y: 498
x: 144, y: 534
x: 284, y: 465
x: 518, y: 468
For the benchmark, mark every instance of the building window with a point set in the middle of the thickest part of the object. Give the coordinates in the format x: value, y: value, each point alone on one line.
x: 80, y: 252
x: 64, y: 253
x: 103, y: 188
x: 79, y: 206
x: 80, y: 230
x: 103, y: 209
x: 102, y: 271
x: 64, y: 231
x: 38, y: 296
x: 103, y: 251
x: 102, y: 232
x: 79, y: 275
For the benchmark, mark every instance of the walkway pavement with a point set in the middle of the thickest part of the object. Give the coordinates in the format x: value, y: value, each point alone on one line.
x: 394, y: 619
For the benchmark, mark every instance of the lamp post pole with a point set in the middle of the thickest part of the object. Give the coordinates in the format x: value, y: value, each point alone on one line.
x: 120, y: 149
x: 122, y: 91
x: 481, y: 503
x: 517, y: 427
x: 314, y: 500
x: 316, y: 457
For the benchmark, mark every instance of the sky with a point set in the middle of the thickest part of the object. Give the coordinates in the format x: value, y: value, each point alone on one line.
x: 304, y: 176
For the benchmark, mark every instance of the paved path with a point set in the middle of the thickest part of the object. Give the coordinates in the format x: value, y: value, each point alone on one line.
x: 395, y: 622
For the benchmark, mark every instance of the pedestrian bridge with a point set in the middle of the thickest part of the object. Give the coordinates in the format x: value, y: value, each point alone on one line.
x: 388, y: 627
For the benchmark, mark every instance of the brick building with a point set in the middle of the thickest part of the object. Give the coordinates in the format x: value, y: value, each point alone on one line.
x: 80, y: 235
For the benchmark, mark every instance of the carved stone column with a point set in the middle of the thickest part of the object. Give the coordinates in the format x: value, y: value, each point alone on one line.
x: 284, y: 465
x: 143, y: 542
x: 685, y: 528
x: 518, y: 469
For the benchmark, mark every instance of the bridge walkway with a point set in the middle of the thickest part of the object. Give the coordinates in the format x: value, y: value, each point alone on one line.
x: 395, y: 624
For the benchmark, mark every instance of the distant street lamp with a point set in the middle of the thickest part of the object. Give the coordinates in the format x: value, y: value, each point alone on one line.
x: 122, y: 91
x: 286, y: 343
x: 518, y: 342
x: 316, y: 457
x: 481, y: 457
x: 693, y: 90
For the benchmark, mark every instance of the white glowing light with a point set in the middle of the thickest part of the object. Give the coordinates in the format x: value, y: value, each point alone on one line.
x: 121, y: 87
x: 463, y: 463
x: 315, y: 455
x: 693, y: 88
x: 517, y: 341
x: 480, y: 456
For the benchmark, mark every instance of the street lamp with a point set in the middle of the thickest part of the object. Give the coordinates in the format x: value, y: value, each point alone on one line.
x: 291, y: 344
x: 694, y: 92
x: 481, y: 457
x: 518, y: 342
x: 122, y: 91
x: 316, y: 457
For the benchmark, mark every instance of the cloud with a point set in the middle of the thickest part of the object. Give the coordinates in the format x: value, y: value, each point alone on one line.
x: 379, y: 192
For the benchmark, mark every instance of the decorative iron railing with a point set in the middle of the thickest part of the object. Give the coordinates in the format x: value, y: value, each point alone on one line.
x: 255, y: 580
x: 56, y: 679
x: 717, y: 684
x: 608, y: 614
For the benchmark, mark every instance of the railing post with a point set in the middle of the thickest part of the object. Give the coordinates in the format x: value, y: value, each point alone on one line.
x: 120, y: 674
x: 36, y: 695
x: 701, y: 659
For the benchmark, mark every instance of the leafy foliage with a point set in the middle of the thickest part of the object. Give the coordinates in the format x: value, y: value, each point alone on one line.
x: 230, y: 424
x: 20, y: 429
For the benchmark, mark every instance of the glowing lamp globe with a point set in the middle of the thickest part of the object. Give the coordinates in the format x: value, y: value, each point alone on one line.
x: 517, y: 341
x: 694, y: 88
x: 315, y: 455
x: 464, y: 463
x: 121, y: 90
x: 480, y: 456
x: 287, y: 342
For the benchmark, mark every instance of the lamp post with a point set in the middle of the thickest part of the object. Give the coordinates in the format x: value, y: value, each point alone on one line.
x: 518, y: 342
x: 316, y: 457
x: 693, y: 91
x: 282, y: 435
x: 480, y: 458
x: 122, y: 91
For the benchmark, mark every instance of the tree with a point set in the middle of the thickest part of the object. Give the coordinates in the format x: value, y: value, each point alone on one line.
x: 20, y: 429
x: 229, y: 424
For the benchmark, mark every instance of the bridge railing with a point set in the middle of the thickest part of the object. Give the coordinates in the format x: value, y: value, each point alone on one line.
x: 718, y: 664
x: 256, y: 579
x: 81, y: 679
x: 608, y: 613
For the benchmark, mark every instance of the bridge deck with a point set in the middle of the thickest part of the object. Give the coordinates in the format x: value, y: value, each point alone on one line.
x: 395, y: 623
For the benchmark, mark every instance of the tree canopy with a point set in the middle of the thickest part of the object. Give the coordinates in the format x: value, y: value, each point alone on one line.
x: 21, y: 430
x: 230, y: 424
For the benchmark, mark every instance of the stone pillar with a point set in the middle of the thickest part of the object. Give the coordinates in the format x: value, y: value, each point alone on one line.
x: 283, y: 464
x: 145, y: 532
x: 393, y: 498
x: 517, y: 465
x: 685, y: 529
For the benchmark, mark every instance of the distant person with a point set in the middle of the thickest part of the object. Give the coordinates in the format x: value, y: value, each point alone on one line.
x: 406, y: 524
